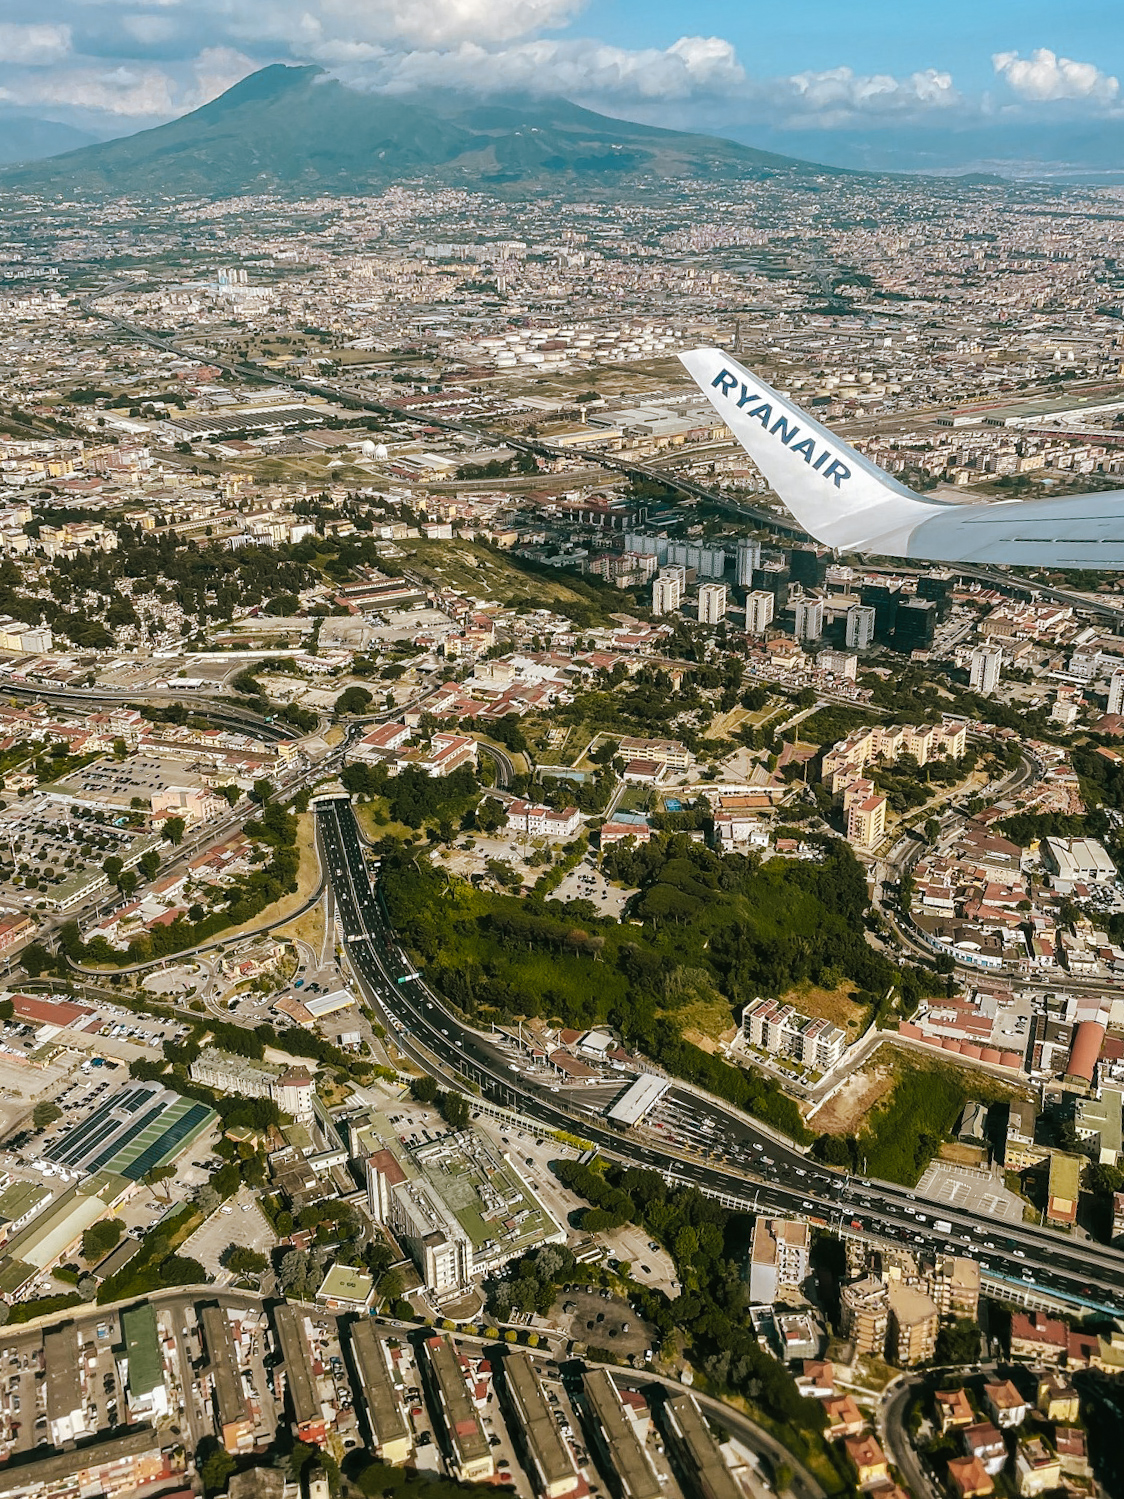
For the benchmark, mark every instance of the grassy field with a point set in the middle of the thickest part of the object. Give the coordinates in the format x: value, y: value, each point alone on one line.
x: 308, y: 877
x: 837, y: 1005
x: 367, y: 814
x: 485, y: 574
x: 907, y: 1127
x: 706, y: 1023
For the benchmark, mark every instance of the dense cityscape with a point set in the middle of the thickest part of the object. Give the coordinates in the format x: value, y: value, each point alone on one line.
x: 523, y: 970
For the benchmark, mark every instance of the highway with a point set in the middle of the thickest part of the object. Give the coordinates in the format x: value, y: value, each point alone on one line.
x: 704, y: 1144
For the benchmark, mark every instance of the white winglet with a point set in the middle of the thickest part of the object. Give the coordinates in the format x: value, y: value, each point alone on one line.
x: 836, y: 494
x: 849, y: 503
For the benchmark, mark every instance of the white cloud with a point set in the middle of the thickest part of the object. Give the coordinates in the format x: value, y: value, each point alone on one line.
x: 1044, y: 76
x: 320, y: 28
x: 690, y: 67
x: 33, y: 45
x: 137, y: 93
x: 839, y: 96
x: 216, y: 69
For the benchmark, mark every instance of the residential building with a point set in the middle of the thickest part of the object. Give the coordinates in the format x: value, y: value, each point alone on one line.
x: 869, y: 1460
x: 866, y: 822
x: 142, y: 1461
x: 1037, y: 1338
x: 914, y: 1321
x: 759, y: 608
x: 844, y: 1419
x: 969, y: 1478
x: 1007, y: 1406
x: 1098, y: 1122
x: 860, y: 627
x: 953, y: 1410
x: 712, y: 604
x: 465, y: 1442
x: 699, y: 1455
x: 782, y: 1031
x: 986, y: 667
x: 1037, y: 1466
x: 1057, y: 1400
x: 838, y: 664
x: 548, y: 1457
x: 955, y: 1286
x: 302, y: 1397
x: 778, y: 1259
x: 615, y: 1431
x: 1116, y: 693
x: 667, y: 594
x: 748, y: 560
x: 866, y: 1315
x: 809, y: 618
x: 388, y: 1428
x: 984, y: 1442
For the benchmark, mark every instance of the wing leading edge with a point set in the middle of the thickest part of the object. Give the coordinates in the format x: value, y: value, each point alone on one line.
x: 849, y: 503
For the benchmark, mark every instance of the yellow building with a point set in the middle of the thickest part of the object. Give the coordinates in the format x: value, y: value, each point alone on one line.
x: 1057, y: 1400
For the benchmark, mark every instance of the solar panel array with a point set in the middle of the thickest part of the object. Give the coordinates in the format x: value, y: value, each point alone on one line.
x: 140, y: 1127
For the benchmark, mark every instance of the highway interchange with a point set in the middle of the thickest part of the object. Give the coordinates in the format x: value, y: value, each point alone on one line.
x: 726, y: 1154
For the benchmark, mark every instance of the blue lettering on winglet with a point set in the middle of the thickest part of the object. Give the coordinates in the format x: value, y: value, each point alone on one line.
x: 784, y: 429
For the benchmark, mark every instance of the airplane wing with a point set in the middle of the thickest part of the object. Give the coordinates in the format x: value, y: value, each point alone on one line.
x: 849, y: 503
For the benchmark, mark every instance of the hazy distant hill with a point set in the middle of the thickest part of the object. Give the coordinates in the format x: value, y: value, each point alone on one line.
x: 24, y: 138
x: 297, y: 130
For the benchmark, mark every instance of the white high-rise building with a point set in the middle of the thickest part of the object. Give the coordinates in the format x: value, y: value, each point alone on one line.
x: 758, y: 612
x: 667, y: 593
x: 809, y: 619
x: 712, y: 603
x: 749, y: 558
x: 1116, y: 692
x: 987, y: 662
x: 860, y: 627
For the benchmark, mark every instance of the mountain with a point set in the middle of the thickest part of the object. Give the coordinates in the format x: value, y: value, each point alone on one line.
x: 295, y: 129
x: 25, y: 138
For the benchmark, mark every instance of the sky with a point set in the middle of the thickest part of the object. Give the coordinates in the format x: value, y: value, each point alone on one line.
x: 882, y: 82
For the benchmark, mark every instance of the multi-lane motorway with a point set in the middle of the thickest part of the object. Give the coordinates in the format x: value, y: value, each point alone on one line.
x: 721, y: 1151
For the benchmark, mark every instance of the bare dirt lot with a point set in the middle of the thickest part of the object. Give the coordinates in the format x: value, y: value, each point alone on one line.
x: 601, y: 1323
x: 846, y: 1111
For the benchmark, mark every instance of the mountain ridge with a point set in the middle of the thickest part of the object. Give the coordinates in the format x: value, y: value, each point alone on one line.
x: 296, y: 129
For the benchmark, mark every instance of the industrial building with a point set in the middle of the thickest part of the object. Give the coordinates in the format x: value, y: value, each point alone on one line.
x: 546, y: 1453
x: 696, y: 1450
x: 138, y: 1127
x: 622, y: 1448
x: 142, y: 1367
x: 466, y: 1445
x: 387, y: 1427
x: 228, y: 1399
x: 303, y: 1399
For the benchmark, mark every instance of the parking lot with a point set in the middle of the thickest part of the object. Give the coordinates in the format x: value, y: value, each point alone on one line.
x: 600, y: 1320
x: 239, y: 1221
x: 586, y: 882
x: 971, y: 1191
